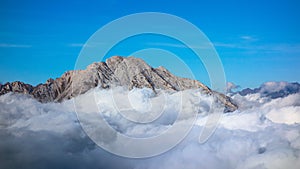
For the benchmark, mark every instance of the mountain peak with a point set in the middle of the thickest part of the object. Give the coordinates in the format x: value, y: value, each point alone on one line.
x: 115, y: 71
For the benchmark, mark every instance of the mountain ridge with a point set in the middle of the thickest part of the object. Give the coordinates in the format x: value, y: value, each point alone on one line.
x: 273, y: 90
x: 115, y: 71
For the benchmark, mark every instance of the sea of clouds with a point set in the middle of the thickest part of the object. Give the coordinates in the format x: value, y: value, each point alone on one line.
x: 263, y: 133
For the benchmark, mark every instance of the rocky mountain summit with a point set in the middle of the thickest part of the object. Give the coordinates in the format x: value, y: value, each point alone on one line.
x: 115, y: 71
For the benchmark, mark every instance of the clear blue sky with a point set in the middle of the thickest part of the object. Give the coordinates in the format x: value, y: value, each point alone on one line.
x: 257, y: 40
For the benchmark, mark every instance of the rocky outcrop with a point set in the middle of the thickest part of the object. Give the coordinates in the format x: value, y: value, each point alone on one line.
x: 116, y: 71
x: 18, y: 87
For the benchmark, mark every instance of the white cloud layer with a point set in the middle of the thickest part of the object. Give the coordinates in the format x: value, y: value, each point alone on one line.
x: 263, y: 133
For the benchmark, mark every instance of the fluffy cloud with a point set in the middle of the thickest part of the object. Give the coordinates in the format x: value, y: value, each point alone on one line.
x: 263, y: 133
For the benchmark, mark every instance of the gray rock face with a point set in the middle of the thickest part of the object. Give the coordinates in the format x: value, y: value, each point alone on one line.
x: 116, y: 71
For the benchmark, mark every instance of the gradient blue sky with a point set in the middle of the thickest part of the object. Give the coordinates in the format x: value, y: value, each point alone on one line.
x: 257, y: 40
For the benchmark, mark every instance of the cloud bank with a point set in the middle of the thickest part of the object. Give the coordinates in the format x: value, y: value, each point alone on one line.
x: 263, y: 133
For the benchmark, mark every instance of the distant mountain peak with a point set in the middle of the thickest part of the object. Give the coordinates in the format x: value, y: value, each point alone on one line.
x: 115, y: 71
x: 273, y: 90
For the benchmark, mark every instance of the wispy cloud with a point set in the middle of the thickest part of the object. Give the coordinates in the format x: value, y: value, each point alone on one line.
x: 242, y: 42
x: 249, y: 38
x: 176, y: 45
x: 279, y: 47
x: 226, y: 45
x: 8, y: 45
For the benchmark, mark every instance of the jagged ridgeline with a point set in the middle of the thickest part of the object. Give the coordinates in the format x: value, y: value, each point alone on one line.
x: 115, y: 71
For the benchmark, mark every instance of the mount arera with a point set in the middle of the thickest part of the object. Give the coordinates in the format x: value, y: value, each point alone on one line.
x: 116, y: 71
